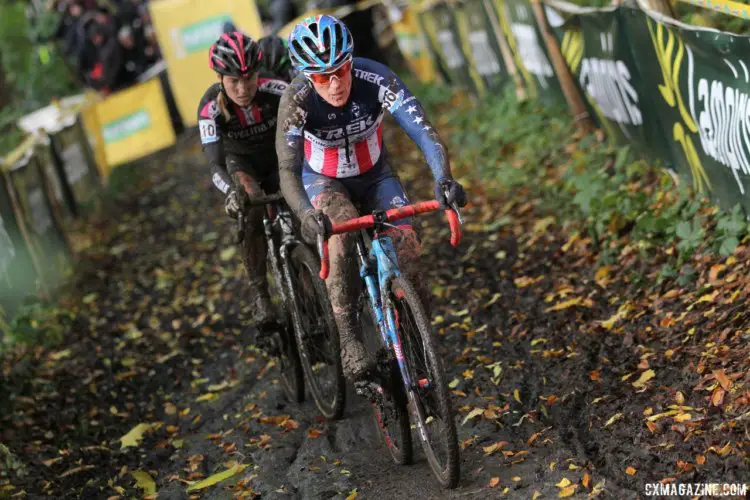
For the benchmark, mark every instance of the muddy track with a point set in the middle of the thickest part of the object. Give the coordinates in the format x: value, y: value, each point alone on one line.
x: 163, y: 338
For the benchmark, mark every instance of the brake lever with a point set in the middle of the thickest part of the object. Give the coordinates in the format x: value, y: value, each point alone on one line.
x: 454, y: 207
x: 240, y: 227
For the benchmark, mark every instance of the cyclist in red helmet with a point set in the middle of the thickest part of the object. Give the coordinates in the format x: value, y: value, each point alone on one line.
x: 237, y: 122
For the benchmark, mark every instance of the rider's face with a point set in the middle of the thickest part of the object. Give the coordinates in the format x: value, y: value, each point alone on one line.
x: 240, y: 90
x: 335, y: 91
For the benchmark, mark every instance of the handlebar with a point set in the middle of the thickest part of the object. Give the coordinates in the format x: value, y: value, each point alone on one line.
x: 368, y: 221
x: 265, y: 199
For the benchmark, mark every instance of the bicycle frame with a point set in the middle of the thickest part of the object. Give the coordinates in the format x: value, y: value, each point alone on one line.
x: 383, y: 254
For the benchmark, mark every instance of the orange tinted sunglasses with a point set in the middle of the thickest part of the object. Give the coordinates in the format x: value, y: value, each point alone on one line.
x: 325, y: 78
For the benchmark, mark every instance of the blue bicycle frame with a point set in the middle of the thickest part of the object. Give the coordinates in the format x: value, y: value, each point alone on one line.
x: 383, y: 254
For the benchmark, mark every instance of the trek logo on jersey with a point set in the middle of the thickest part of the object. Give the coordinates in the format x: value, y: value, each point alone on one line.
x: 350, y: 129
x: 368, y: 77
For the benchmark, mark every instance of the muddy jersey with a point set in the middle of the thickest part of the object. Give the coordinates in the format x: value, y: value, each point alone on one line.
x: 248, y: 129
x: 249, y: 132
x: 348, y: 141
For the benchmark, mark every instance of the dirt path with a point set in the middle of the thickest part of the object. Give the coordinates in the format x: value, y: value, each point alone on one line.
x: 162, y: 340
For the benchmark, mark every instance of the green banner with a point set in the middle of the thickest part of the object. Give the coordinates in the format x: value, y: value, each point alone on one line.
x: 440, y: 27
x: 700, y: 82
x: 47, y: 238
x: 480, y: 44
x: 17, y: 275
x: 519, y: 22
x: 597, y: 49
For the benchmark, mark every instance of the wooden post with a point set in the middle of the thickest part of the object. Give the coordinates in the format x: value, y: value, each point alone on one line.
x: 565, y: 77
x: 507, y: 54
x: 21, y: 221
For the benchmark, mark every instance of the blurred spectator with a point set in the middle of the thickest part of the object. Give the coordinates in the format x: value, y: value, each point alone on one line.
x: 362, y: 26
x: 110, y: 43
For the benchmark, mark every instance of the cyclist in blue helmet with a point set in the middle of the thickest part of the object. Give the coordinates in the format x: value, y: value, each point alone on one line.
x: 332, y: 159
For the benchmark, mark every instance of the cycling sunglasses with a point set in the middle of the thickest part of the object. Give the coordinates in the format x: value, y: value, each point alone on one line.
x: 325, y: 78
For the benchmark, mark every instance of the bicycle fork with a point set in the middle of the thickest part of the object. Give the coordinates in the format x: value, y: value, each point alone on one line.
x: 383, y: 251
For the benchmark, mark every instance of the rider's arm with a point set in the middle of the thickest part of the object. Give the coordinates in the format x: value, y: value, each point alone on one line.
x: 211, y: 144
x: 405, y: 108
x: 290, y: 144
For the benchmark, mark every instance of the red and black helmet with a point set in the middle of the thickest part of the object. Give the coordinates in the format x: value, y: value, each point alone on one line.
x: 235, y: 54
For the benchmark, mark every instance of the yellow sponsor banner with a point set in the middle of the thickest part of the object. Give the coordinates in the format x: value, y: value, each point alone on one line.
x: 185, y: 30
x: 94, y: 132
x: 134, y: 123
x: 413, y: 45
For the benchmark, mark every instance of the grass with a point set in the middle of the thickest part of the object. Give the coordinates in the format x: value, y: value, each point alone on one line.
x: 604, y: 190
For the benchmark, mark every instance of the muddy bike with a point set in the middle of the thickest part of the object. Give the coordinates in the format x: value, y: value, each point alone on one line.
x: 306, y: 338
x: 410, y: 370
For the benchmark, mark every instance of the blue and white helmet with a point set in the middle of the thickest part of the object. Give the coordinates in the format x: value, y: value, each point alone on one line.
x: 319, y: 43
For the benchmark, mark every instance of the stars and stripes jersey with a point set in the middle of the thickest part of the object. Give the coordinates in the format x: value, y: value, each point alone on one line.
x: 249, y: 130
x: 347, y: 141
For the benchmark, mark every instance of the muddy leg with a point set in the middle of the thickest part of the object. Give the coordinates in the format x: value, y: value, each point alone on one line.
x: 254, y: 251
x: 343, y: 284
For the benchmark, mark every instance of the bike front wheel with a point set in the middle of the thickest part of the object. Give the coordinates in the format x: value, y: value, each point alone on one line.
x: 316, y: 333
x: 428, y: 395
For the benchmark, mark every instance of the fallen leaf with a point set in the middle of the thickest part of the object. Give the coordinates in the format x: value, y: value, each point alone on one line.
x: 645, y: 377
x: 682, y: 417
x: 170, y: 408
x: 525, y: 281
x: 576, y: 301
x: 76, y: 470
x: 536, y: 495
x: 494, y: 482
x: 472, y: 414
x: 468, y: 374
x: 614, y: 418
x: 313, y: 433
x: 57, y: 356
x: 630, y: 471
x: 567, y: 492
x: 228, y: 253
x: 723, y: 380
x: 717, y: 396
x: 679, y: 398
x: 709, y: 297
x: 594, y: 375
x: 516, y: 395
x: 216, y: 478
x: 144, y: 481
x: 454, y: 383
x: 134, y: 437
x: 209, y: 396
x: 586, y: 479
x: 564, y: 483
x: 352, y: 494
x: 489, y: 450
